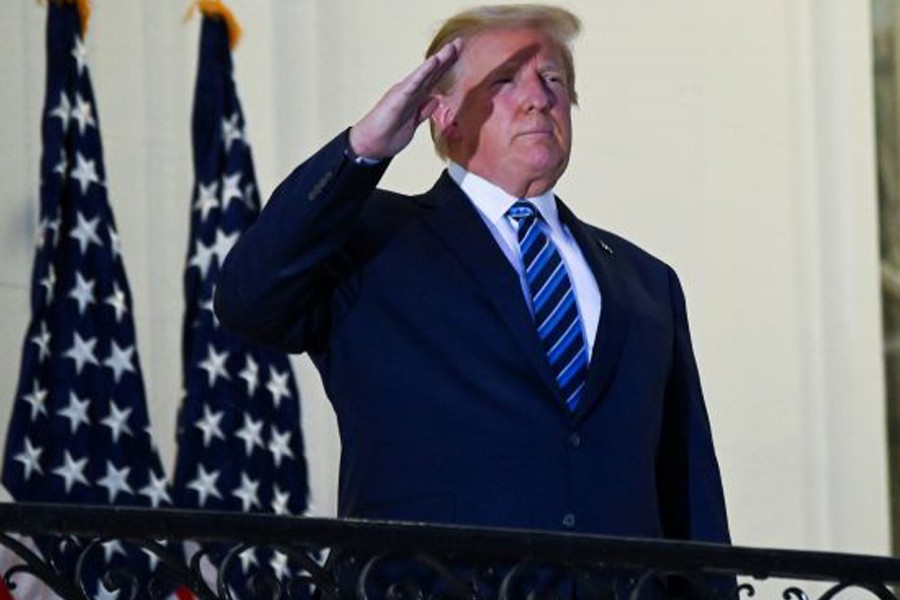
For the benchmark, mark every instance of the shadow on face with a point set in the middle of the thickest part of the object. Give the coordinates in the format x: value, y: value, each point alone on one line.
x: 463, y: 135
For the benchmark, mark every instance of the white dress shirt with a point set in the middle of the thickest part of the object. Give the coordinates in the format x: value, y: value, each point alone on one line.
x: 491, y: 202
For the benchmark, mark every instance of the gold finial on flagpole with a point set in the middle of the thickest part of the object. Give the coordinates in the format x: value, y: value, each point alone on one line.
x: 216, y: 8
x: 84, y: 12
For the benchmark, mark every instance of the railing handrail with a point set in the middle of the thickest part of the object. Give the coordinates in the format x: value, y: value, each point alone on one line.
x: 174, y: 524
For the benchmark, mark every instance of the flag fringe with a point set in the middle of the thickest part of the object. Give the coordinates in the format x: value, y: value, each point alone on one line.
x: 217, y: 9
x: 84, y: 12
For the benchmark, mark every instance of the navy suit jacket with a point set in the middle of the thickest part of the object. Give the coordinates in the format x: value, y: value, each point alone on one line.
x: 446, y: 406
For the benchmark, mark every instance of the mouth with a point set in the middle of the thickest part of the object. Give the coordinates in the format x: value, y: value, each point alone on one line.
x: 537, y: 132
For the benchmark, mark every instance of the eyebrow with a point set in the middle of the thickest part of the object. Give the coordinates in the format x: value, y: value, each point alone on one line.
x: 552, y: 67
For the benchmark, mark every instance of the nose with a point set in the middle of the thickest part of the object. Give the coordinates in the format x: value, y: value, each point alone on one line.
x: 536, y: 94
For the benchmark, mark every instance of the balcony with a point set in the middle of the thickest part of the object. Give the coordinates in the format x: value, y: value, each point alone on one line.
x: 330, y: 559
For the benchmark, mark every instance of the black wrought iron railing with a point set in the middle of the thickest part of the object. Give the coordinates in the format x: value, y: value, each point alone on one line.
x: 327, y: 558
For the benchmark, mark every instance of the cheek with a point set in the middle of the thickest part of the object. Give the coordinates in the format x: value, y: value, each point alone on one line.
x: 475, y: 114
x: 565, y: 125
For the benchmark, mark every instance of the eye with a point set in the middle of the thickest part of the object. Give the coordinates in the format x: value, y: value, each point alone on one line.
x: 553, y: 78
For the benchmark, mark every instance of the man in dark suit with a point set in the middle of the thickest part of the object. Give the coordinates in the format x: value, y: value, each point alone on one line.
x: 491, y: 359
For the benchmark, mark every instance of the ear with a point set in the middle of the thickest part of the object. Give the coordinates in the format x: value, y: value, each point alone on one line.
x: 443, y: 117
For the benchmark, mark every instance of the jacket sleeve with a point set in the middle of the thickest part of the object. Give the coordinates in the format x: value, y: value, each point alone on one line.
x: 276, y: 284
x: 691, y: 499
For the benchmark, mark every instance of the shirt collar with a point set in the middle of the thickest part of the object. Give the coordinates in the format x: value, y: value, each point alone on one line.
x: 493, y: 202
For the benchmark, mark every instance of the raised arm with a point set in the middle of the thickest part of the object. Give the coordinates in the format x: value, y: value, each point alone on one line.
x: 276, y: 283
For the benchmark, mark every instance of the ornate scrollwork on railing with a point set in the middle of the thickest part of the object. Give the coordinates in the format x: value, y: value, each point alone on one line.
x: 248, y: 557
x: 747, y: 590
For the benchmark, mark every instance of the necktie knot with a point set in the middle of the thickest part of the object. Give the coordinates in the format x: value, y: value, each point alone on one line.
x: 521, y: 211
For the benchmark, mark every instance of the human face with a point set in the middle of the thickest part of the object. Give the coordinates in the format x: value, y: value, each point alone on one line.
x: 507, y: 117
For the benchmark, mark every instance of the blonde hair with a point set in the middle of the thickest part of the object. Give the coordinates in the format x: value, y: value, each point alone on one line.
x: 561, y: 25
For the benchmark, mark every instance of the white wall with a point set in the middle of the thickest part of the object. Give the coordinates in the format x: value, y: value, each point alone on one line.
x: 733, y: 139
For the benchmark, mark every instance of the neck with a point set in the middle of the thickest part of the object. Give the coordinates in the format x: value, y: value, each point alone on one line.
x: 461, y: 175
x: 513, y: 181
x: 518, y: 186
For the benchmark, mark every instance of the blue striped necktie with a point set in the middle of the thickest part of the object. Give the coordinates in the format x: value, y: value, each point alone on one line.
x: 553, y: 303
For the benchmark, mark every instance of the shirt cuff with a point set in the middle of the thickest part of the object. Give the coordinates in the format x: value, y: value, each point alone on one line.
x: 360, y: 160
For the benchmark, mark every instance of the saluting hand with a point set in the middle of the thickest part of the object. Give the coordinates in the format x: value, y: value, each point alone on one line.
x: 389, y: 127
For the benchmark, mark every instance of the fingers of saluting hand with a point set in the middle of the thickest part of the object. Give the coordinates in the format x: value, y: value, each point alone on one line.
x: 389, y: 126
x: 420, y: 83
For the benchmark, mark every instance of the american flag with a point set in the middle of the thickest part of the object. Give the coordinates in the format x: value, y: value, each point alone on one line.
x: 79, y: 430
x: 240, y: 445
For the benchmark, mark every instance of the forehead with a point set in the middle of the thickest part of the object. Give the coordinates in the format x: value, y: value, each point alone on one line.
x: 510, y: 47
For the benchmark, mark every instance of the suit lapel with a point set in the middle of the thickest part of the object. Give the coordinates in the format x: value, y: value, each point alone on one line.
x: 615, y: 317
x: 458, y: 225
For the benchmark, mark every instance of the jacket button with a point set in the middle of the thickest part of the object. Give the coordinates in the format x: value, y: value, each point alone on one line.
x: 569, y: 521
x: 575, y: 440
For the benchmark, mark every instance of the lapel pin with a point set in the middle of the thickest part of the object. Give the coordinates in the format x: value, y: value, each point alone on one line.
x: 606, y: 247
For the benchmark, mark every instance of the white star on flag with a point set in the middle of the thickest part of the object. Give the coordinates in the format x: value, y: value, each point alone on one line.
x: 279, y: 565
x: 280, y: 501
x: 62, y: 167
x: 250, y: 374
x: 117, y: 421
x: 251, y: 433
x: 115, y: 243
x: 86, y: 232
x: 214, y: 365
x: 72, y: 471
x: 157, y: 490
x: 63, y: 111
x: 115, y: 481
x: 85, y: 172
x: 117, y: 301
x: 48, y: 282
x: 83, y: 292
x: 82, y: 352
x: 76, y: 412
x: 79, y: 52
x: 247, y: 492
x: 82, y: 114
x: 249, y: 189
x: 37, y: 399
x: 110, y: 549
x: 248, y: 559
x: 223, y: 244
x: 210, y: 425
x: 231, y: 189
x: 231, y: 131
x: 119, y: 360
x: 205, y: 484
x: 202, y: 257
x: 207, y: 305
x: 42, y: 340
x: 30, y: 457
x: 45, y: 226
x: 278, y: 386
x: 279, y: 446
x: 206, y: 199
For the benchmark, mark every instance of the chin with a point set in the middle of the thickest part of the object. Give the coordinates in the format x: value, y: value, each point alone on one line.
x: 545, y: 164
